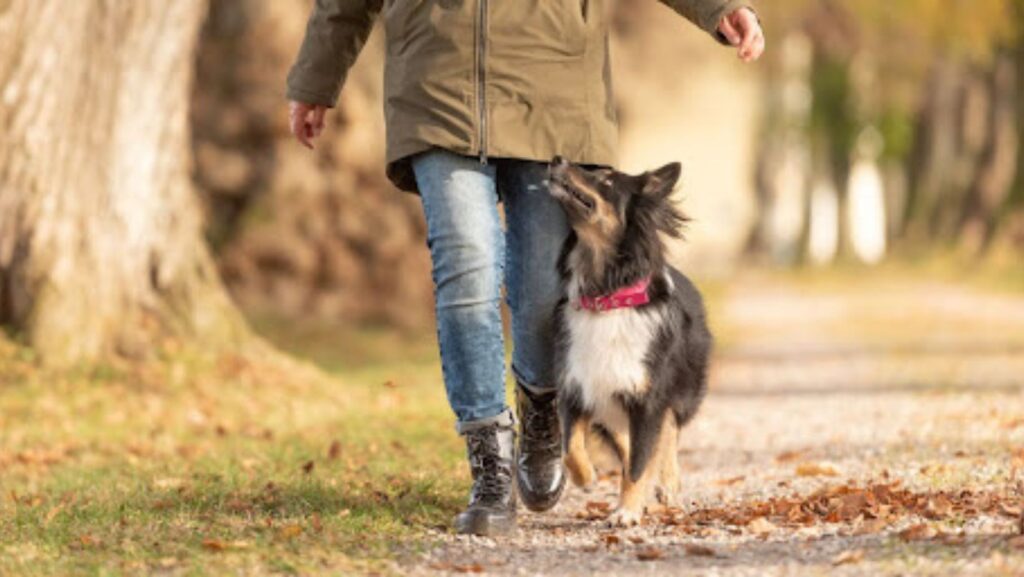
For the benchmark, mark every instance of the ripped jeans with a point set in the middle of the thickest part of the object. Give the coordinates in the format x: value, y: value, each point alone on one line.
x: 473, y: 256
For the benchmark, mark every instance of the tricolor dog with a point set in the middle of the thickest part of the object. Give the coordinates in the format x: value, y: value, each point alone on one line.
x: 632, y: 336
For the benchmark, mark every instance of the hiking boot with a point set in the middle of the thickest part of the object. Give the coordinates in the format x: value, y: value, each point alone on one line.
x: 492, y: 500
x: 539, y: 473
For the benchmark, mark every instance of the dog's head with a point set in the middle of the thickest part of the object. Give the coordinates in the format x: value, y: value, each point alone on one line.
x: 607, y: 208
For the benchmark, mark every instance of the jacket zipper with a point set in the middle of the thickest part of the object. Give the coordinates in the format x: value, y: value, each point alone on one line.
x: 481, y: 59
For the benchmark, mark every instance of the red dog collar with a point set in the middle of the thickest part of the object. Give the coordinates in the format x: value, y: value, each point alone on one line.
x: 630, y: 296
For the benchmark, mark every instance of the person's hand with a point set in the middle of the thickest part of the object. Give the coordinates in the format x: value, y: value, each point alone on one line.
x: 742, y: 29
x: 307, y: 121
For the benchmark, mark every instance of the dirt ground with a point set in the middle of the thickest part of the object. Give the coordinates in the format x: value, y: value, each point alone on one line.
x: 850, y: 430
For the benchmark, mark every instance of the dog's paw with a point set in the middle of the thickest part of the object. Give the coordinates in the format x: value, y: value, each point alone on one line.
x: 624, y: 518
x: 581, y: 472
x: 666, y: 497
x: 583, y: 477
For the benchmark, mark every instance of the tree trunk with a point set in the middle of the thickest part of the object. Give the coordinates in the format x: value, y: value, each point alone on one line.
x: 998, y: 160
x: 101, y: 247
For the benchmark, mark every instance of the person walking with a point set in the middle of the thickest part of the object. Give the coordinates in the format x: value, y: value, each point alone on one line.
x: 478, y: 96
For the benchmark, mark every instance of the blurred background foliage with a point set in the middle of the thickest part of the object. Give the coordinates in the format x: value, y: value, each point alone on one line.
x: 872, y: 130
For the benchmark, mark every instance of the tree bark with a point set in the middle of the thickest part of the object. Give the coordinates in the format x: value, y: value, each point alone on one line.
x: 997, y: 166
x: 101, y: 247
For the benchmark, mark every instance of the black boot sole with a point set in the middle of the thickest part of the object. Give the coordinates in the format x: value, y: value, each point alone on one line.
x: 540, y: 504
x: 485, y: 524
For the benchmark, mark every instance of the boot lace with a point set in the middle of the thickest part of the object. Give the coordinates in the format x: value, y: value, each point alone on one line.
x: 540, y: 423
x: 492, y: 474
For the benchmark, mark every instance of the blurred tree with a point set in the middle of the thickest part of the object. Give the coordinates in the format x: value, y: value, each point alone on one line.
x: 101, y: 246
x: 945, y: 94
x: 297, y: 233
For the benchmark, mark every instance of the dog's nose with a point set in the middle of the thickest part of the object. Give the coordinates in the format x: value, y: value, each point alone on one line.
x: 558, y: 161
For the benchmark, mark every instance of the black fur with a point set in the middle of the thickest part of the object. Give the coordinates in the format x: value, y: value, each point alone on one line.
x: 677, y: 359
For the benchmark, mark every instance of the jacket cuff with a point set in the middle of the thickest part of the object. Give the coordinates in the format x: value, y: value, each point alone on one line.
x: 310, y: 97
x: 714, y: 18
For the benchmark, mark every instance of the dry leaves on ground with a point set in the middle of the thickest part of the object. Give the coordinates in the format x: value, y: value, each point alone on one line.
x: 848, y: 557
x: 870, y: 509
x: 650, y: 554
x: 594, y: 511
x: 816, y: 470
x: 918, y: 532
x: 699, y: 550
x: 458, y: 568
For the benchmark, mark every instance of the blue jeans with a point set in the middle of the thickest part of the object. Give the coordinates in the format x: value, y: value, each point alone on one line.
x: 472, y: 257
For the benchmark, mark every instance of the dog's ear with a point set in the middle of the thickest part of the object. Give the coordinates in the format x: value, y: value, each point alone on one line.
x: 663, y: 181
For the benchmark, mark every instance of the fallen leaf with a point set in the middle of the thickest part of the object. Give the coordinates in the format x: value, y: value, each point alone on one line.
x: 636, y: 540
x: 457, y: 568
x: 957, y: 539
x: 290, y: 531
x: 730, y: 481
x: 238, y: 505
x: 699, y: 550
x: 816, y: 470
x: 214, y: 545
x: 52, y: 513
x: 938, y: 507
x: 611, y: 539
x: 848, y: 557
x: 919, y: 532
x: 334, y: 451
x: 594, y: 510
x: 650, y: 554
x: 1016, y: 542
x: 308, y: 467
x: 871, y: 526
x: 787, y: 456
x: 761, y: 526
x: 1010, y: 510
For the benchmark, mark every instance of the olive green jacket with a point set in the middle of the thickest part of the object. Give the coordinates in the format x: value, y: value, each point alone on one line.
x: 524, y: 79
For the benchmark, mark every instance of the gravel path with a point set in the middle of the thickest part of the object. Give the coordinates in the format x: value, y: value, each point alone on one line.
x: 817, y: 394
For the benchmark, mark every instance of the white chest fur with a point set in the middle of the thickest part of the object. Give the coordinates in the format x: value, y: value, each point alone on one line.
x: 606, y: 353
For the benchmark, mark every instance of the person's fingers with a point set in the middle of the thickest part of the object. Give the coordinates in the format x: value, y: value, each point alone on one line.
x: 729, y: 30
x: 758, y: 46
x: 750, y: 29
x: 298, y: 124
x: 316, y: 119
x: 298, y: 113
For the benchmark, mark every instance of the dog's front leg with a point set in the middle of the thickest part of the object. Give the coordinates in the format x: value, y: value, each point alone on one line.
x: 575, y: 427
x: 641, y: 465
x: 667, y: 489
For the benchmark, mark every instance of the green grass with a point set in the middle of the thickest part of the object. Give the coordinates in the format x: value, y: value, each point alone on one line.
x: 205, y: 466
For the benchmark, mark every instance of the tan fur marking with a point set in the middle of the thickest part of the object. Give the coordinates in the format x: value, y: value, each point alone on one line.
x: 601, y: 232
x: 634, y: 493
x: 668, y: 477
x: 662, y: 469
x: 577, y: 460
